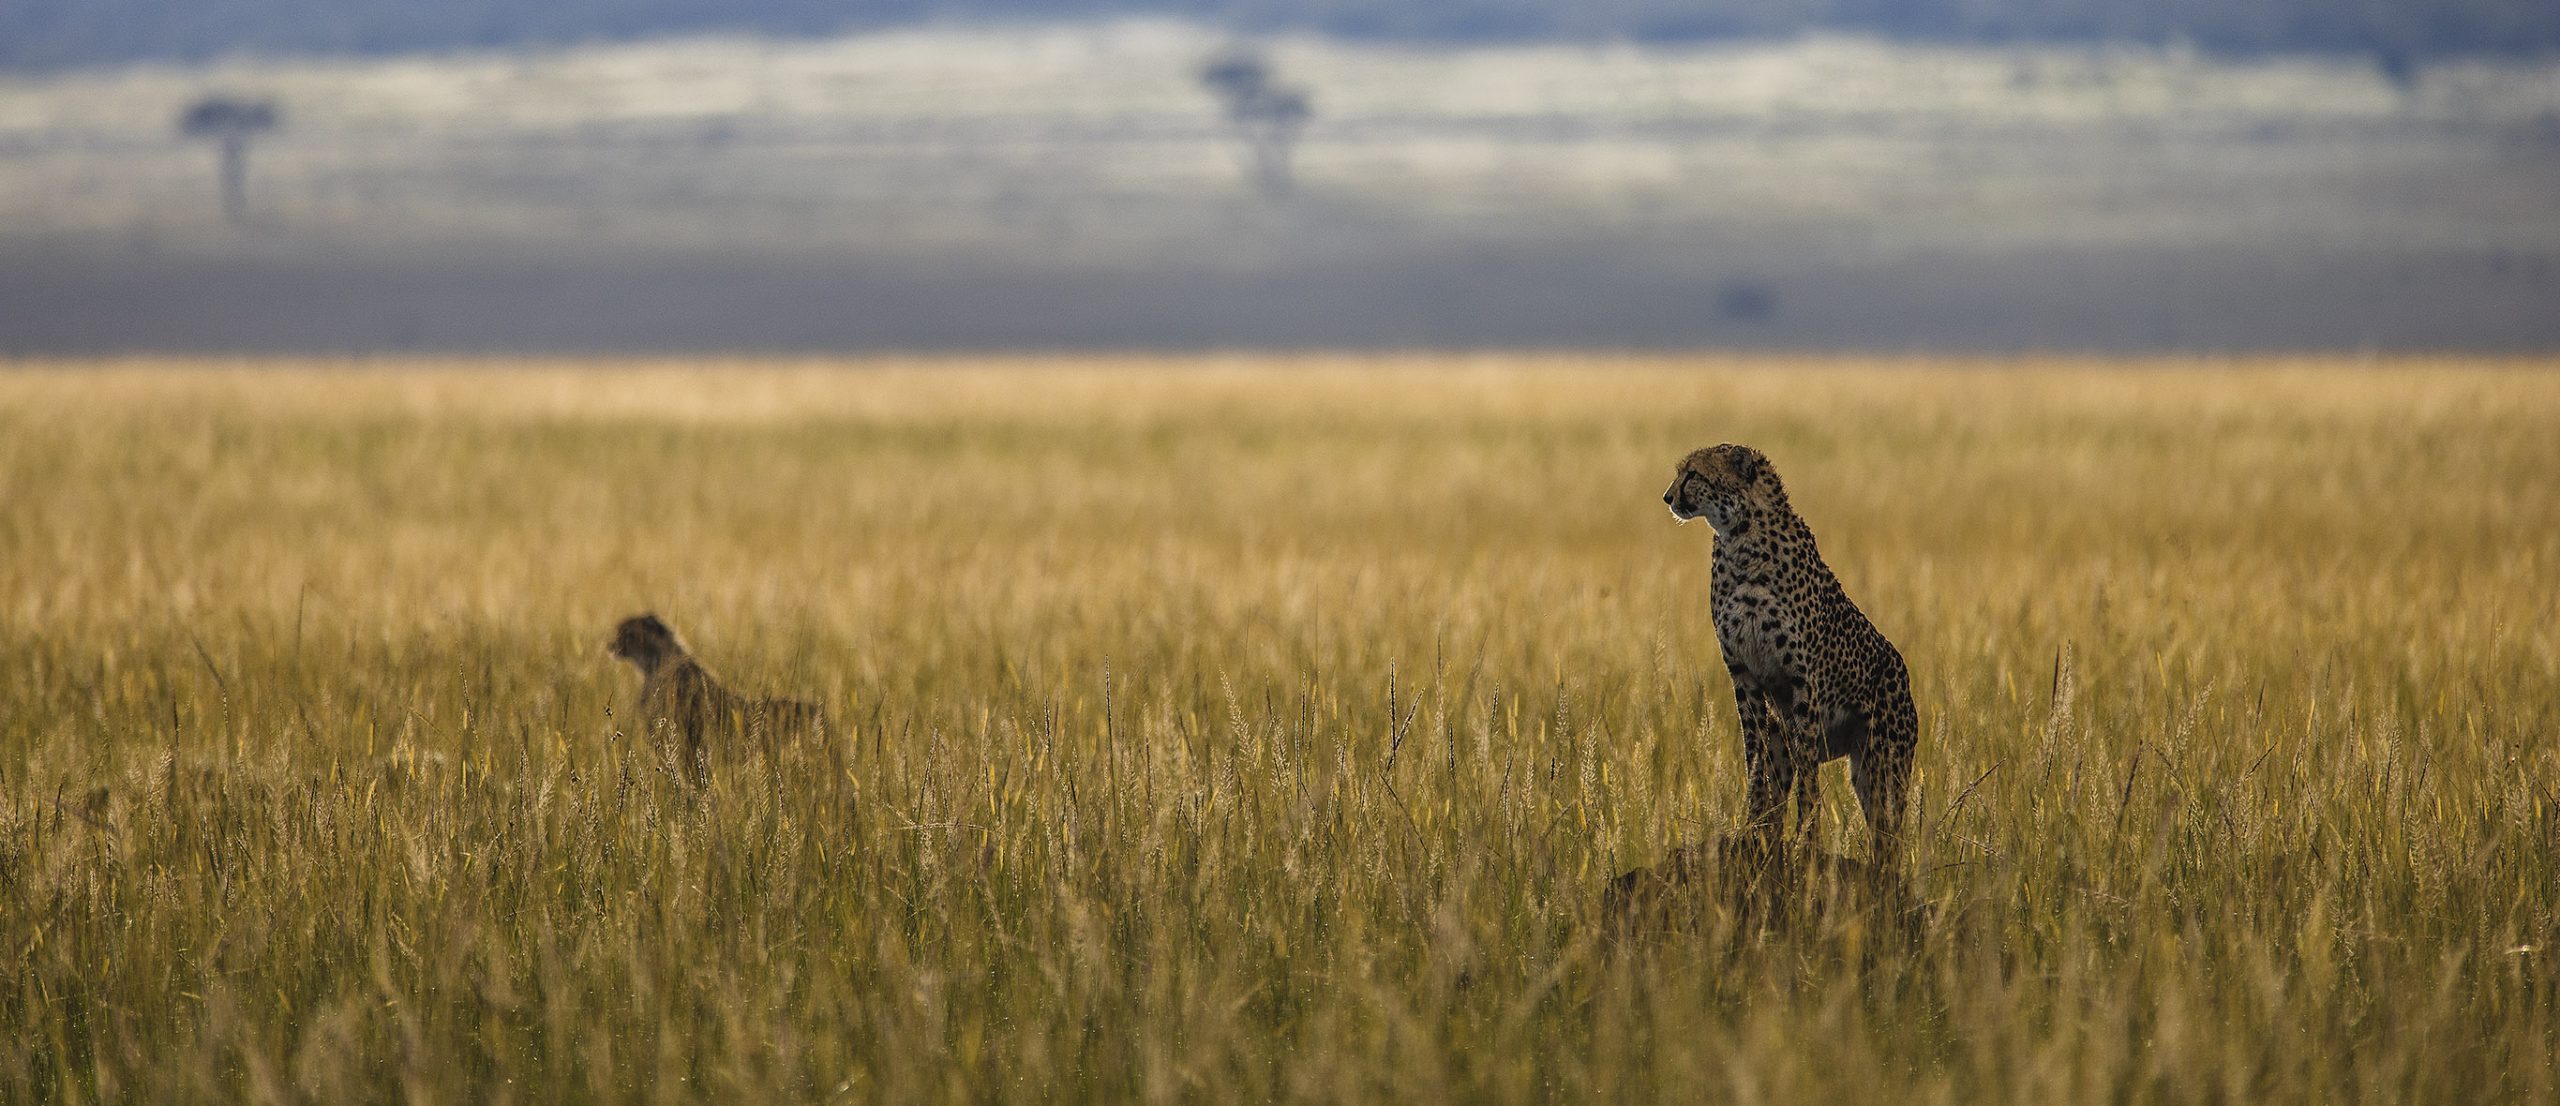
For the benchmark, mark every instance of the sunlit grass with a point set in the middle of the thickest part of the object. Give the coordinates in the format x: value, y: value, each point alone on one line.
x: 1237, y: 729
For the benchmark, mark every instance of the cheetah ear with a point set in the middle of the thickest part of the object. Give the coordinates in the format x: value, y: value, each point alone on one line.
x: 651, y: 623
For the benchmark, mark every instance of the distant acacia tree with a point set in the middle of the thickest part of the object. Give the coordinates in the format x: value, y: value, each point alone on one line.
x: 230, y: 124
x: 1268, y: 116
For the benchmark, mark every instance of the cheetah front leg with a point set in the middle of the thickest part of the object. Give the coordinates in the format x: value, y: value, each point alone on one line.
x: 696, y: 750
x: 1773, y: 756
x: 1801, y: 746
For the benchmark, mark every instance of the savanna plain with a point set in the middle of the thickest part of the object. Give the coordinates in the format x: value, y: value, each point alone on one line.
x: 1254, y: 729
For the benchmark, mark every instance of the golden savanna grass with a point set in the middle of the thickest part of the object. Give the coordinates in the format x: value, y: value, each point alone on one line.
x: 1241, y: 729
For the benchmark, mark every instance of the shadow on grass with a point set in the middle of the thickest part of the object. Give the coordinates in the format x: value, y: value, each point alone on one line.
x: 1743, y: 883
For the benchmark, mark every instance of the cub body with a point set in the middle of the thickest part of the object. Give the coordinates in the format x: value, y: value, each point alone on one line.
x: 687, y: 709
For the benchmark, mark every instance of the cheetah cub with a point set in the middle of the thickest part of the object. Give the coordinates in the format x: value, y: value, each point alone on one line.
x: 683, y: 705
x: 1812, y: 678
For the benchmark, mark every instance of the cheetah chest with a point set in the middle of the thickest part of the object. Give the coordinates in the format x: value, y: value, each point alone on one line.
x: 1756, y: 630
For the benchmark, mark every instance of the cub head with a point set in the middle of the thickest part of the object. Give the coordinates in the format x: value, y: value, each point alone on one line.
x: 644, y: 641
x: 1727, y: 485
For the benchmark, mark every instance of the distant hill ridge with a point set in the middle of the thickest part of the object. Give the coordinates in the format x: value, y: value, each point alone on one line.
x: 2398, y: 34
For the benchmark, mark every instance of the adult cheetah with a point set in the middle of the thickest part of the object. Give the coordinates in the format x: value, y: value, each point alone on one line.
x: 1812, y: 678
x: 682, y: 703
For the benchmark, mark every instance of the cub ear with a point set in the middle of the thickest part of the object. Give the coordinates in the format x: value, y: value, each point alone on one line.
x: 651, y: 623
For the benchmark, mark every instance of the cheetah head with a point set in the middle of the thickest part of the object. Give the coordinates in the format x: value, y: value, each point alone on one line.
x: 1726, y: 485
x: 644, y: 641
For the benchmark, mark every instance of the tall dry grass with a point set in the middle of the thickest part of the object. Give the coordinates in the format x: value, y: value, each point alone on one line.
x: 1230, y: 728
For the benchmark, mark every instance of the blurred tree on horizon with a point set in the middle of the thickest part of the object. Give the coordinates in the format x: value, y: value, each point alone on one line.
x: 1267, y: 115
x: 229, y: 123
x: 36, y: 34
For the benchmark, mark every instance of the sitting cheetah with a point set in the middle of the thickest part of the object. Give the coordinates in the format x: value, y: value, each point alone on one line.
x: 680, y: 700
x: 1812, y: 678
